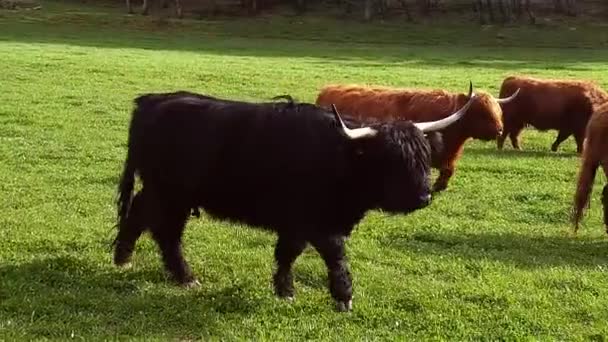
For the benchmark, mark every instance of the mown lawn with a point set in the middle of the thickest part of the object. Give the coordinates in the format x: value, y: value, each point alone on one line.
x: 492, y: 258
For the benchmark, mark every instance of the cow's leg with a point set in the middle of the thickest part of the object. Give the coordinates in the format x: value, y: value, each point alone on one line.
x: 129, y: 8
x: 441, y: 183
x: 452, y: 150
x: 332, y: 251
x: 167, y: 233
x: 500, y: 141
x: 561, y: 137
x: 579, y: 137
x: 286, y: 251
x: 514, y: 136
x: 130, y: 229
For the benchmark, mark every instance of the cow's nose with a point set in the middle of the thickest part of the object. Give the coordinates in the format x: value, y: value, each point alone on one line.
x: 499, y: 132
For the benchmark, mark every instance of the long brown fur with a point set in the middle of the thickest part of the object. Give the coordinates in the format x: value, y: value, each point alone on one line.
x: 595, y: 153
x: 563, y: 105
x: 482, y: 121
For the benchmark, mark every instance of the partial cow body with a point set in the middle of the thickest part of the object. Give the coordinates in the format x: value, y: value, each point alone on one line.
x: 563, y: 105
x: 291, y: 168
x: 595, y: 154
x: 482, y: 121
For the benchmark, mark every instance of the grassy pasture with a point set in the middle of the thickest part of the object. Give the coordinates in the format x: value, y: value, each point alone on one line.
x: 490, y: 259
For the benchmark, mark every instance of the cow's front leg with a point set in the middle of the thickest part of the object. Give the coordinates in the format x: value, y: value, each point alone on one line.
x: 286, y: 251
x: 340, y: 283
x: 441, y: 183
x: 561, y: 137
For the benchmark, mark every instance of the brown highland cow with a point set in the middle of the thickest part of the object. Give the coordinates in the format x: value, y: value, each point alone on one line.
x: 595, y: 153
x: 563, y: 105
x: 483, y: 119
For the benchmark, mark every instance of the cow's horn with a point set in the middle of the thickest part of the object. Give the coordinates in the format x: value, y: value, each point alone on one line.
x: 508, y: 99
x: 356, y: 133
x: 445, y: 122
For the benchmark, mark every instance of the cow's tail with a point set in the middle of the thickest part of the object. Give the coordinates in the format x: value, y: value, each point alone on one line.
x: 127, y: 178
x: 589, y: 166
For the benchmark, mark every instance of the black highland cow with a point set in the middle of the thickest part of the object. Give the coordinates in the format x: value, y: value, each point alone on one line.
x: 292, y: 168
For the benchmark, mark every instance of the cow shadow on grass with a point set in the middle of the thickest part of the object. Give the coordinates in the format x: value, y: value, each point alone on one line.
x: 507, y: 153
x: 71, y: 294
x: 523, y: 251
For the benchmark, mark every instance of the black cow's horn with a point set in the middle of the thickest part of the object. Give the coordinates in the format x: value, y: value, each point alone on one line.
x: 357, y: 133
x: 445, y: 122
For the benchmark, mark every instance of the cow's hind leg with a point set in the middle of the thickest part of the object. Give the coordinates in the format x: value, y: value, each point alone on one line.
x: 340, y: 283
x: 130, y: 229
x: 561, y: 137
x: 579, y: 136
x: 167, y: 232
x: 287, y: 250
x: 514, y: 136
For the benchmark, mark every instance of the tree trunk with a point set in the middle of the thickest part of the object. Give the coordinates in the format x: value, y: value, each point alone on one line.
x: 571, y: 9
x: 490, y: 11
x: 517, y: 8
x: 478, y: 4
x: 300, y: 6
x: 558, y: 6
x: 406, y: 8
x: 367, y: 14
x: 529, y: 11
x: 425, y: 7
x: 178, y: 9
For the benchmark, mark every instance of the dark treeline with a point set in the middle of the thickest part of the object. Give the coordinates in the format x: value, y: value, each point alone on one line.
x: 486, y: 11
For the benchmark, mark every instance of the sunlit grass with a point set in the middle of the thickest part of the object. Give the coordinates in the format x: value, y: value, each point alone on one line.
x: 491, y: 258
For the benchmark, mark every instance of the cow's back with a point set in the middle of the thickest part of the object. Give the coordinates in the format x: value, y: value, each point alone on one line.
x: 383, y: 103
x: 240, y: 160
x: 549, y: 103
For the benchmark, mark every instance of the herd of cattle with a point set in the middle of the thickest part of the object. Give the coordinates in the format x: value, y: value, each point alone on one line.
x: 310, y: 172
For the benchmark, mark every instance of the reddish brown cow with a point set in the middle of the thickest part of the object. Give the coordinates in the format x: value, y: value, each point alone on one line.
x: 482, y: 120
x: 595, y: 153
x: 563, y: 105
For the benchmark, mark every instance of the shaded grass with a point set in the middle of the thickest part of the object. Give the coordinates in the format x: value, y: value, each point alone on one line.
x: 490, y: 259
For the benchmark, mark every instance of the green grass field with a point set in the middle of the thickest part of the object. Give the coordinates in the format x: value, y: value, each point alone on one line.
x: 492, y: 258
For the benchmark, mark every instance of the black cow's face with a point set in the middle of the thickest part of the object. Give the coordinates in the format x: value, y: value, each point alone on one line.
x: 401, y: 167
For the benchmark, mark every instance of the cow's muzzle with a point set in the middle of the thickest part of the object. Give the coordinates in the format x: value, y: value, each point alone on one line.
x: 425, y: 200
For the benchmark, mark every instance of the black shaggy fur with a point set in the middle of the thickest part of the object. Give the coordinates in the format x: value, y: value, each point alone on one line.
x: 286, y: 167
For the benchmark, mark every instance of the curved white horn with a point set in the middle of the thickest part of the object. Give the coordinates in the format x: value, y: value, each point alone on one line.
x: 508, y: 99
x: 357, y: 133
x: 445, y: 122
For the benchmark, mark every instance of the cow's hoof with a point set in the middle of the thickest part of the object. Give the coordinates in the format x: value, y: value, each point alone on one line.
x: 191, y: 284
x: 344, y: 306
x: 124, y: 265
